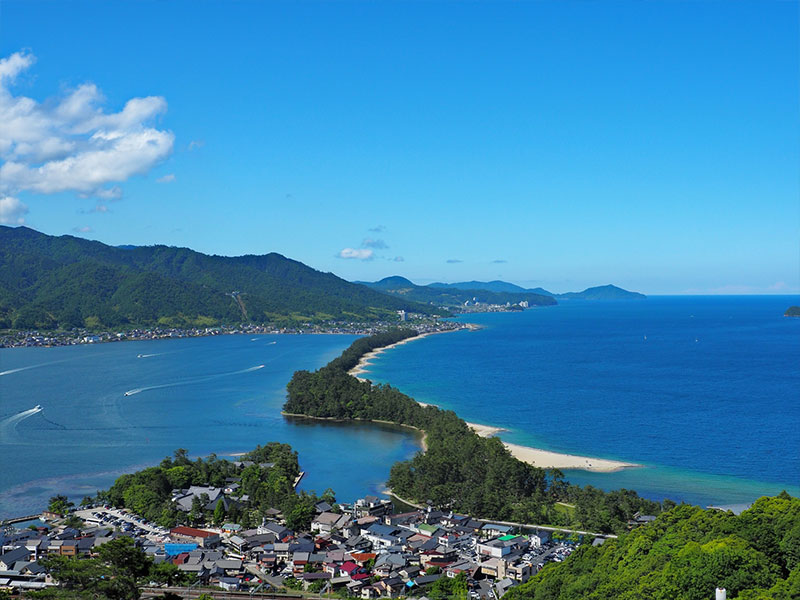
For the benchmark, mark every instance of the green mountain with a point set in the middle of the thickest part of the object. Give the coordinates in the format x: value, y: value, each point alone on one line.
x: 489, y: 286
x: 603, y: 292
x: 792, y: 311
x: 48, y: 281
x: 684, y: 555
x: 451, y: 296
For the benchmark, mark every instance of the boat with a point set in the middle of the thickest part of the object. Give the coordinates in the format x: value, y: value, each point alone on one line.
x: 37, y: 407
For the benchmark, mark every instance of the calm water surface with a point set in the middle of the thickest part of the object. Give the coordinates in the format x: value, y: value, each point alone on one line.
x: 705, y: 391
x: 220, y: 394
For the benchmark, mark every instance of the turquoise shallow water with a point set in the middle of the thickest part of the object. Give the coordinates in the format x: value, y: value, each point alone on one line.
x: 704, y: 391
x: 203, y: 394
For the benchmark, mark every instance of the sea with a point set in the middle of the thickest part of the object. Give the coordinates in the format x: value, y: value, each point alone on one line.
x: 219, y: 395
x: 703, y: 392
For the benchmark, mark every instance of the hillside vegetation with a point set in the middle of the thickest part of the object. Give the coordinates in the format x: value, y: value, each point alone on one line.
x: 451, y: 296
x: 684, y: 555
x: 63, y: 282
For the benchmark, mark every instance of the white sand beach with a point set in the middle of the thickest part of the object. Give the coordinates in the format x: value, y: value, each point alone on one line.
x: 544, y: 459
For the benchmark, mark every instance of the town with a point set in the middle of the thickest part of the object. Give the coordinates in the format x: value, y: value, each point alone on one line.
x: 24, y: 338
x: 365, y: 549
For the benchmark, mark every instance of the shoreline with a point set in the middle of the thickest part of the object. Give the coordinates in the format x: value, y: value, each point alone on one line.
x: 423, y: 436
x: 366, y: 360
x: 547, y: 459
x: 537, y: 457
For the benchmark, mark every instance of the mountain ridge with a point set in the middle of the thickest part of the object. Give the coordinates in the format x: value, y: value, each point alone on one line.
x: 500, y: 291
x: 65, y: 281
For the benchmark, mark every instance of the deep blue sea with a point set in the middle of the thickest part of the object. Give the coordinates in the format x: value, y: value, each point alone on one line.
x: 704, y: 391
x: 203, y: 394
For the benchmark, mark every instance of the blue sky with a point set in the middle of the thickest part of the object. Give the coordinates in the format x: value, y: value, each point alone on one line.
x: 649, y: 144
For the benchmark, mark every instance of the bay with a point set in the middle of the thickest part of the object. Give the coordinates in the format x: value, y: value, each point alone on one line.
x: 209, y: 395
x: 703, y: 391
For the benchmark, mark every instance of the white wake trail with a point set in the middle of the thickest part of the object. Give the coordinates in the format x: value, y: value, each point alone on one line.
x: 8, y: 425
x: 191, y: 381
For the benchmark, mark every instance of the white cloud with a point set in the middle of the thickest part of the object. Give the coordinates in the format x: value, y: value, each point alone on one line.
x: 195, y: 144
x: 169, y: 178
x: 359, y: 253
x: 70, y: 143
x: 370, y: 243
x: 398, y: 259
x: 12, y: 211
x: 84, y: 229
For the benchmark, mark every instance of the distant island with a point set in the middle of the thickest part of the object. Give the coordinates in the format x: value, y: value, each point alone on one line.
x: 497, y: 293
x: 65, y: 282
x: 792, y: 311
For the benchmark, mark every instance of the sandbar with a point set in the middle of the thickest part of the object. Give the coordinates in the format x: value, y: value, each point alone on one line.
x: 544, y: 459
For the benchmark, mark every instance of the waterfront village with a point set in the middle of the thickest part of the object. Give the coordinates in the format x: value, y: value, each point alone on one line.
x: 365, y: 550
x: 422, y: 323
x: 16, y: 339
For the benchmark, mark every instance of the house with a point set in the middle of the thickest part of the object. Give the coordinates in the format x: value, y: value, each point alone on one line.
x: 327, y: 522
x: 8, y: 558
x: 494, y: 530
x: 204, y: 539
x: 502, y: 546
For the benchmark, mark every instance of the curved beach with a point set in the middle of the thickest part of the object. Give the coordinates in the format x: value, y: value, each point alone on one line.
x: 544, y: 459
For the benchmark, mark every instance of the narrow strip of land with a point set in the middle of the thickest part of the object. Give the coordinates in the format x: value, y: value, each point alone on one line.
x: 544, y: 459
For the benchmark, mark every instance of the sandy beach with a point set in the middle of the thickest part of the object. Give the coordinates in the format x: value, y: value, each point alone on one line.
x: 367, y: 359
x: 544, y: 459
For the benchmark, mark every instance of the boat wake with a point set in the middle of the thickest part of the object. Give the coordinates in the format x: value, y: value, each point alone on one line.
x: 148, y: 355
x: 8, y: 425
x: 135, y: 391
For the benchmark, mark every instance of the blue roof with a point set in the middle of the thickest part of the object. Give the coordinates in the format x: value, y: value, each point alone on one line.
x: 175, y: 549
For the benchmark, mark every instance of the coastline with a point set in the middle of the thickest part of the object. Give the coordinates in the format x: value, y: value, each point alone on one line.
x: 423, y: 437
x: 546, y: 459
x: 543, y: 459
x: 367, y: 359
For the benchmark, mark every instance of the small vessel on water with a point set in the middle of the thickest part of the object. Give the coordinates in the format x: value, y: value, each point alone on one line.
x: 37, y: 407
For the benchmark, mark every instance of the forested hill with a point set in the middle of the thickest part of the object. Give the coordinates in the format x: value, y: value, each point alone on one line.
x: 65, y: 282
x: 403, y: 288
x: 684, y: 555
x: 600, y: 292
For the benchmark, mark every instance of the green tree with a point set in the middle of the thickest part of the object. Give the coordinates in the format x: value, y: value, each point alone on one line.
x: 219, y: 512
x: 59, y: 504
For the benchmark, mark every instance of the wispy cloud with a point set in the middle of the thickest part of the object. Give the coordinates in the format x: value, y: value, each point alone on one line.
x: 370, y: 243
x: 398, y: 259
x: 377, y: 229
x: 195, y: 145
x: 356, y: 253
x: 69, y: 143
x: 453, y: 261
x: 499, y: 261
x: 84, y: 229
x: 99, y: 208
x: 12, y: 211
x: 169, y: 178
